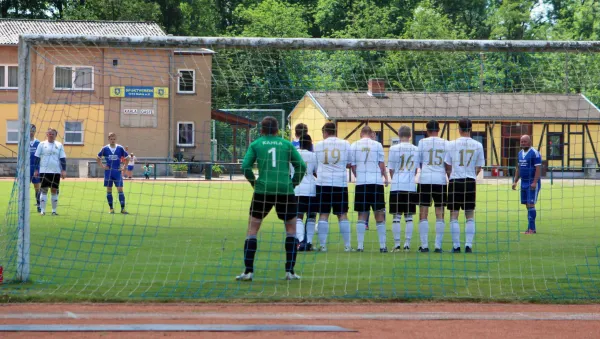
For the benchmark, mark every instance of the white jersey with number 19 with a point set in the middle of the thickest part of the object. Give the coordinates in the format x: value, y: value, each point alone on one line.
x: 433, y: 151
x: 333, y: 155
x: 366, y: 155
x: 464, y: 155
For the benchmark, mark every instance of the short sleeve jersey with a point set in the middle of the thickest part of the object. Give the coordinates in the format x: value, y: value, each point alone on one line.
x: 308, y: 185
x: 33, y: 145
x: 464, y: 155
x: 433, y: 151
x: 366, y: 155
x: 112, y: 156
x: 50, y: 154
x: 334, y: 156
x: 273, y: 156
x: 528, y: 161
x: 403, y: 160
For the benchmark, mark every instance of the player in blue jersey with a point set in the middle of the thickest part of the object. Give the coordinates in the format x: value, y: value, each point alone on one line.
x: 529, y: 171
x: 112, y: 154
x: 300, y: 130
x: 35, y: 180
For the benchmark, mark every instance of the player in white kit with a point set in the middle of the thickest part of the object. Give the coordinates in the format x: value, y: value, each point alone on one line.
x: 403, y: 161
x: 368, y: 165
x: 464, y: 160
x: 333, y: 155
x: 432, y: 185
x: 307, y: 195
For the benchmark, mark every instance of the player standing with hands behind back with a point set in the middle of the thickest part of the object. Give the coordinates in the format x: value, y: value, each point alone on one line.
x: 113, y: 171
x: 274, y: 187
x: 464, y: 160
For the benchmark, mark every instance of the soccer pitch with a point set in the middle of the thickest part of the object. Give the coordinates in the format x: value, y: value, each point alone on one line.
x: 184, y: 240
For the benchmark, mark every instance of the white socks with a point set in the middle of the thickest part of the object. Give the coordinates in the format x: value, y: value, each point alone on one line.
x: 323, y: 232
x: 360, y: 233
x: 54, y: 199
x: 310, y: 230
x: 409, y: 229
x: 345, y: 231
x: 439, y: 233
x: 424, y: 233
x: 469, y: 232
x: 381, y: 234
x: 43, y: 200
x: 299, y: 230
x: 396, y: 229
x: 455, y: 231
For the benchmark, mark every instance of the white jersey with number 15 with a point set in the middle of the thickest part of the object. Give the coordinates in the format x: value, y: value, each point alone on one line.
x: 333, y: 155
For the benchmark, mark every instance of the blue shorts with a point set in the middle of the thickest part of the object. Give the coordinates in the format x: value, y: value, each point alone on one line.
x: 529, y: 196
x: 113, y: 177
x: 33, y: 179
x: 130, y: 167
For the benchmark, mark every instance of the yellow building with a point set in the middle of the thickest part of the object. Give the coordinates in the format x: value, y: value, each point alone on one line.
x: 564, y: 128
x: 157, y: 101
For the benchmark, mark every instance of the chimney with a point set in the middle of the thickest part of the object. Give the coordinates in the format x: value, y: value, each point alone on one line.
x: 376, y: 88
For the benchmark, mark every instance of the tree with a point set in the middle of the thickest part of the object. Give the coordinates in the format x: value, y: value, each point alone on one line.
x: 271, y: 18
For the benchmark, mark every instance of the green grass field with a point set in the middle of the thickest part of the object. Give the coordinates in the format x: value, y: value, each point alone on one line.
x: 184, y: 240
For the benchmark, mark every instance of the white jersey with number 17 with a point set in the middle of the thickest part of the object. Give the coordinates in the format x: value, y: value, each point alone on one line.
x: 464, y: 155
x: 333, y: 155
x: 366, y: 155
x: 433, y: 151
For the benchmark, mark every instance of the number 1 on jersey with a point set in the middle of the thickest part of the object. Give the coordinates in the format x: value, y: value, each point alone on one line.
x: 273, y: 152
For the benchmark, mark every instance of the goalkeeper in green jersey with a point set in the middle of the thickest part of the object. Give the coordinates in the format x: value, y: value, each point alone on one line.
x: 272, y: 188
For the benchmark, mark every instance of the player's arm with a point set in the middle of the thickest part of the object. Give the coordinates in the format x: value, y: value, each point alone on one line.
x: 63, y: 162
x: 516, y: 178
x: 299, y: 166
x: 538, y: 170
x: 247, y: 164
x: 381, y: 158
x: 448, y: 164
x: 36, y: 161
x: 99, y: 159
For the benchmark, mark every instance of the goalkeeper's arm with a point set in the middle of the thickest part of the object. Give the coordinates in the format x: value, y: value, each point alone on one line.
x: 247, y: 164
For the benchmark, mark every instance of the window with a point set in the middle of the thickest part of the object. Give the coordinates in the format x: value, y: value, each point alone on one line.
x: 73, y: 133
x: 555, y: 146
x: 418, y: 136
x: 12, y: 131
x: 74, y: 78
x: 379, y: 136
x: 185, y: 133
x: 482, y: 138
x: 187, y: 81
x: 9, y: 77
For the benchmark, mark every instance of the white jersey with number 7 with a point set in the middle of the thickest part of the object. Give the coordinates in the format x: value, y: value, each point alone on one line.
x: 333, y: 155
x: 464, y: 155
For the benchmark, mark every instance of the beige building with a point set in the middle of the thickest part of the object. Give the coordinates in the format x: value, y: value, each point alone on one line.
x: 158, y: 101
x: 565, y: 128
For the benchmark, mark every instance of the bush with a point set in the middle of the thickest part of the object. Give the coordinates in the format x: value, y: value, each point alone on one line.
x: 179, y: 167
x: 217, y: 169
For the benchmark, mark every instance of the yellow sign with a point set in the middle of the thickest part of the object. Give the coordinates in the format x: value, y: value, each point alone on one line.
x: 161, y: 92
x: 117, y: 92
x: 139, y: 92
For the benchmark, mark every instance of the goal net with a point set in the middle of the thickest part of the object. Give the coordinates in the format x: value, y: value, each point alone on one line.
x: 186, y: 111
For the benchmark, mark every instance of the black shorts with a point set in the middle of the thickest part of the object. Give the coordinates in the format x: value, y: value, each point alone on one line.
x: 332, y: 197
x: 50, y: 180
x: 402, y: 202
x: 462, y: 194
x: 285, y: 205
x: 369, y: 196
x: 438, y: 193
x: 307, y: 204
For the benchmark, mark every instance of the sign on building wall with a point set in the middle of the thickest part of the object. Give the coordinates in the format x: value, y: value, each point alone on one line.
x: 139, y: 92
x: 139, y: 112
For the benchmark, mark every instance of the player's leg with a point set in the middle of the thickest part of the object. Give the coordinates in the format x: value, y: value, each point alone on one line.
x: 259, y: 208
x: 311, y: 218
x: 409, y: 210
x: 108, y: 183
x: 425, y: 198
x: 531, y: 200
x: 44, y: 187
x: 118, y: 180
x: 454, y: 208
x: 300, y: 229
x: 324, y: 195
x: 440, y: 201
x: 469, y: 206
x: 38, y: 192
x: 54, y: 193
x: 376, y: 196
x: 286, y: 207
x: 361, y: 207
x: 396, y: 218
x: 340, y: 209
